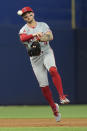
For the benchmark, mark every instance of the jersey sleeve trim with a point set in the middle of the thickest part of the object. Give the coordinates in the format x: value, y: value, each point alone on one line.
x: 25, y: 37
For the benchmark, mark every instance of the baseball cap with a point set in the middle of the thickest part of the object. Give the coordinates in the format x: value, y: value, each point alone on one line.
x: 24, y: 10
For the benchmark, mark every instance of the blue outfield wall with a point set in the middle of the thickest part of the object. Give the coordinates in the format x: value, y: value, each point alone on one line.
x: 81, y: 13
x: 18, y: 84
x: 81, y: 66
x: 55, y: 11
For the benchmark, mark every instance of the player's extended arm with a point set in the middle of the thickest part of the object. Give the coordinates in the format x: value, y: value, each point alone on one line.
x: 25, y: 37
x: 46, y: 37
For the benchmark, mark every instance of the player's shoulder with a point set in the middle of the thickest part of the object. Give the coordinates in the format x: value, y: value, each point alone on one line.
x: 23, y: 29
x: 42, y: 23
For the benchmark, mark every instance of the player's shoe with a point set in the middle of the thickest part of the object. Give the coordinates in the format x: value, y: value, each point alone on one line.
x: 64, y: 100
x: 57, y: 115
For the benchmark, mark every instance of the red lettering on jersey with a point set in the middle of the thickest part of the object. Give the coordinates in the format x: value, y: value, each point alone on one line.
x: 24, y: 31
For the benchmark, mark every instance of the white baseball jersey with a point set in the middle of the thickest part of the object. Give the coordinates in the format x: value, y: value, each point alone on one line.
x: 41, y: 27
x: 43, y: 62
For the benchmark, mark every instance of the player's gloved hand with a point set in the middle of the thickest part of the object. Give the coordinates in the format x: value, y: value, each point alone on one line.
x: 35, y: 49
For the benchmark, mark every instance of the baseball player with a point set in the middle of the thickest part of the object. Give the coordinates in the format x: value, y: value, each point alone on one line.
x: 43, y: 62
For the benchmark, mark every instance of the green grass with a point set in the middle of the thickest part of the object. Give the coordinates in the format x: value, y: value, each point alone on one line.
x: 74, y: 111
x: 67, y: 111
x: 45, y: 129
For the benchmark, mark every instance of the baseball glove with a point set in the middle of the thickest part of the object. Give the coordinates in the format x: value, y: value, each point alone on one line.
x: 35, y: 49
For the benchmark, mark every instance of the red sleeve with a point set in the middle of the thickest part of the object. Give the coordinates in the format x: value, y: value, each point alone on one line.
x: 25, y: 37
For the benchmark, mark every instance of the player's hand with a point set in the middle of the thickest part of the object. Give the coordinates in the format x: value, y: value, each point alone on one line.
x: 34, y: 35
x: 39, y: 34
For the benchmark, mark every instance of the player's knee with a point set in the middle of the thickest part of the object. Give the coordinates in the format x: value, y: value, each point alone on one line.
x: 53, y: 70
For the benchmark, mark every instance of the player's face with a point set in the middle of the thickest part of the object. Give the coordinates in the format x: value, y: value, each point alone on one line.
x: 28, y: 17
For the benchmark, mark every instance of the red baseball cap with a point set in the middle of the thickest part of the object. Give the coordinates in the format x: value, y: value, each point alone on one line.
x: 26, y: 9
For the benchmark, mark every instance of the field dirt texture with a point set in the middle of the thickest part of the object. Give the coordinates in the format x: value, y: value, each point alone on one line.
x: 68, y: 122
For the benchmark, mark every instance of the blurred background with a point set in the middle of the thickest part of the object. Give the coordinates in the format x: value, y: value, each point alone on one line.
x: 68, y: 22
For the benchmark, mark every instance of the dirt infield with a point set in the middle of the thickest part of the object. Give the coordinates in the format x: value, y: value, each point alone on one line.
x: 43, y: 122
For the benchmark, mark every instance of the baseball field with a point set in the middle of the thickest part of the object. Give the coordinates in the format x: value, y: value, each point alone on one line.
x: 40, y: 118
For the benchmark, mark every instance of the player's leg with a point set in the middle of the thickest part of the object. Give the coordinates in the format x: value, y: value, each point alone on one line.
x: 54, y: 106
x: 49, y: 62
x: 58, y: 84
x: 41, y: 75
